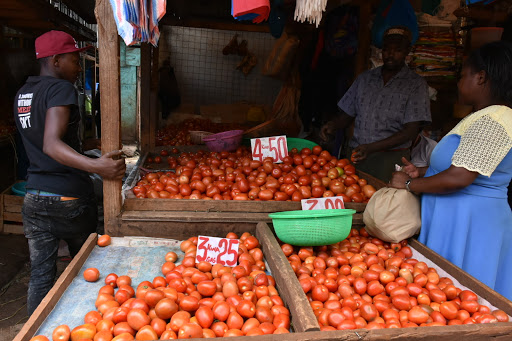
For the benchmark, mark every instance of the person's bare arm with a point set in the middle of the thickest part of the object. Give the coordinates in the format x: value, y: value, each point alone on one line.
x: 450, y: 180
x: 56, y: 124
x: 340, y: 122
x: 408, y: 133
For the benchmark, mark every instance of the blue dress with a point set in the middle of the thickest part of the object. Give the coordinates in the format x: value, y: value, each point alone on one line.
x: 472, y: 228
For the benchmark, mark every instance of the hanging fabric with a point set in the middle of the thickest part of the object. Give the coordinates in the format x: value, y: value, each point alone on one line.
x: 137, y: 20
x: 255, y: 10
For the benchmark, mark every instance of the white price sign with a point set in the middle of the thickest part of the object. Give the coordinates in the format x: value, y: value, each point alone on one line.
x: 322, y: 203
x: 274, y: 147
x: 217, y: 250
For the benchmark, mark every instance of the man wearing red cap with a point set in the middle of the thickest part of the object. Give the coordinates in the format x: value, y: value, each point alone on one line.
x: 60, y: 202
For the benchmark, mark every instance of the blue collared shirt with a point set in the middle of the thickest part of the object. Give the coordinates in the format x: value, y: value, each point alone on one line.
x: 382, y: 110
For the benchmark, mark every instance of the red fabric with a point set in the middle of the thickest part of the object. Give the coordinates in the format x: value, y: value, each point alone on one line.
x: 260, y: 7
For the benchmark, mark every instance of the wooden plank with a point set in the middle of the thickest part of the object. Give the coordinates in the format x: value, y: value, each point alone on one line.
x: 11, y: 199
x: 131, y: 204
x: 464, y: 278
x: 212, y: 24
x: 50, y: 300
x: 153, y: 97
x: 12, y: 208
x: 10, y: 216
x: 110, y: 105
x: 194, y: 216
x: 179, y: 230
x: 364, y: 39
x: 2, y: 211
x: 303, y: 318
x: 144, y: 91
x: 12, y: 228
x: 209, y: 205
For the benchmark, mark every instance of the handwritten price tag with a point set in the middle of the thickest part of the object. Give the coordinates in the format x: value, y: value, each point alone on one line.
x: 274, y: 147
x: 217, y: 250
x: 322, y: 203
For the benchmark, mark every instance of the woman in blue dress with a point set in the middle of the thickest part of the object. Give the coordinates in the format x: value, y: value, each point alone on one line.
x: 465, y: 214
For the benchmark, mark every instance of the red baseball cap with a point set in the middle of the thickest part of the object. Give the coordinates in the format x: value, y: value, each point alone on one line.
x: 56, y: 42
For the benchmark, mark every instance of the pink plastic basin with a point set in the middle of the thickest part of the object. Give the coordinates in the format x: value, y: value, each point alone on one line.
x: 225, y: 141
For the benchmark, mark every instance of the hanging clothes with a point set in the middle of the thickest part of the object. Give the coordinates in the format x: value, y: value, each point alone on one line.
x: 255, y: 10
x: 137, y: 20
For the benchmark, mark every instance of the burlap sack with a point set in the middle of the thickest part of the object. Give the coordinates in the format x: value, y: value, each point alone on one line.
x: 392, y: 215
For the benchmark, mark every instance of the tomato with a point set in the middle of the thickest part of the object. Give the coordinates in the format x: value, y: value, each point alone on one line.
x: 500, y: 315
x: 437, y: 295
x: 204, y: 316
x: 221, y: 311
x: 282, y: 321
x: 466, y: 295
x: 179, y: 319
x: 207, y: 288
x: 123, y: 280
x: 246, y: 309
x: 84, y: 331
x: 190, y: 331
x: 39, y: 338
x: 219, y: 328
x: 104, y: 240
x: 105, y: 325
x: 146, y: 333
x: 449, y: 310
x: 153, y: 296
x: 137, y: 318
x: 123, y: 327
x: 61, y: 333
x: 103, y: 336
x: 91, y: 275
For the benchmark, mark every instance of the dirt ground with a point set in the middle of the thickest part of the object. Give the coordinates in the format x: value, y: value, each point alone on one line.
x: 14, y: 277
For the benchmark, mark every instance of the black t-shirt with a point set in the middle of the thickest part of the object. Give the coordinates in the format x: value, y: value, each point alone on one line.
x: 31, y: 103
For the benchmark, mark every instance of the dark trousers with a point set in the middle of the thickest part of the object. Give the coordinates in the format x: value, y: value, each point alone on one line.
x: 47, y: 220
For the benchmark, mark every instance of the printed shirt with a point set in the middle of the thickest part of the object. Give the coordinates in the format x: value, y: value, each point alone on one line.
x: 382, y: 110
x: 32, y: 102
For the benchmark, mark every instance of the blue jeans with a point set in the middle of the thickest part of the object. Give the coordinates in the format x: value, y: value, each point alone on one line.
x: 47, y: 220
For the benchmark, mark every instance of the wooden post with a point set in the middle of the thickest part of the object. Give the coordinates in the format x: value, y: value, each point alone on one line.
x: 145, y: 97
x: 363, y: 49
x: 153, y: 107
x: 108, y: 40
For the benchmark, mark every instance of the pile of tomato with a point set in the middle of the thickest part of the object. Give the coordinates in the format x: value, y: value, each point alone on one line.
x: 310, y: 173
x: 179, y: 134
x: 189, y: 300
x: 363, y: 282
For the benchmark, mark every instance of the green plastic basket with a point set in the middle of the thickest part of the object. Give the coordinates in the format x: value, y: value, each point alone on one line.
x: 294, y: 142
x: 313, y: 228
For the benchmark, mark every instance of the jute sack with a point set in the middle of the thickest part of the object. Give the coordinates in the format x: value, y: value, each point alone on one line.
x: 392, y: 214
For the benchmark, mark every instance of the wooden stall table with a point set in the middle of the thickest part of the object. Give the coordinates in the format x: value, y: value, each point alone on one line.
x: 141, y: 258
x: 139, y: 216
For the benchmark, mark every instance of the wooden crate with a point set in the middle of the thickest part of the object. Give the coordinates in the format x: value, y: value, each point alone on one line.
x: 140, y: 215
x: 494, y: 331
x: 10, y: 212
x: 302, y: 317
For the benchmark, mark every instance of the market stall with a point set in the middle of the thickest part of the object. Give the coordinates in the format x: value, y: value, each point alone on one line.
x: 304, y: 323
x: 398, y: 277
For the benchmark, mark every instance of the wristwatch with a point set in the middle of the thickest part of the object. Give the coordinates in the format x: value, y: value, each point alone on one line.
x: 407, y: 183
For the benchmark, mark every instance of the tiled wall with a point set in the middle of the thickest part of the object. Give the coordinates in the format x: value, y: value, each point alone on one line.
x: 206, y: 76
